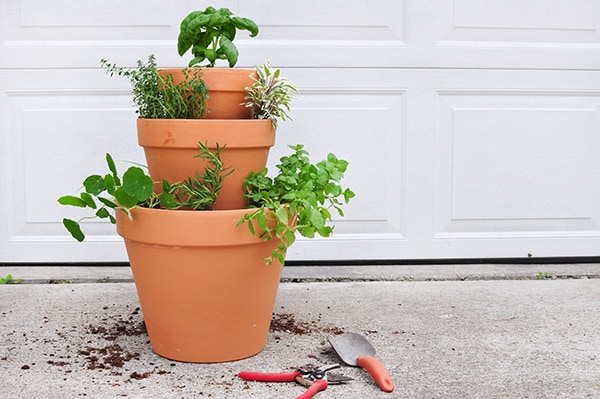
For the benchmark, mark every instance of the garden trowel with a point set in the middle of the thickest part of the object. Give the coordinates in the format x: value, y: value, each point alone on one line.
x: 355, y: 350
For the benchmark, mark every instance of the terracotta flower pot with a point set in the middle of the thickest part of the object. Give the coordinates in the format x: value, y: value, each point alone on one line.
x: 170, y: 146
x: 226, y: 90
x: 204, y: 289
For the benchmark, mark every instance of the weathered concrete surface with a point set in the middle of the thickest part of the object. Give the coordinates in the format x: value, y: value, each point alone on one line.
x: 445, y: 339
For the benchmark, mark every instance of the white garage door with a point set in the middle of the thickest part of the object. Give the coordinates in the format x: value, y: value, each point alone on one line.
x: 472, y: 127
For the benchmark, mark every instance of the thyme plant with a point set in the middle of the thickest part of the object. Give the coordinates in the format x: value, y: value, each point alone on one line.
x: 156, y: 97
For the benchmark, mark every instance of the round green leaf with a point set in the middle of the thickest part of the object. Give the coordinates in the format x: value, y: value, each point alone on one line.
x: 137, y: 183
x: 125, y: 199
x: 168, y: 201
x: 94, y: 184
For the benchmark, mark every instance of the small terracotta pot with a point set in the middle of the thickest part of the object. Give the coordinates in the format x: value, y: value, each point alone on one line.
x: 170, y: 146
x: 204, y: 288
x: 226, y: 90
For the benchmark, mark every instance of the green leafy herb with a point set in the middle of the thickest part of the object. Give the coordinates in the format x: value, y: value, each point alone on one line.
x: 300, y: 198
x: 137, y: 189
x: 156, y: 97
x: 210, y: 34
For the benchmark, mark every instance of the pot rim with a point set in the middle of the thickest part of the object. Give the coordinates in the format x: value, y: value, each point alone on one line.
x: 186, y: 228
x: 186, y: 133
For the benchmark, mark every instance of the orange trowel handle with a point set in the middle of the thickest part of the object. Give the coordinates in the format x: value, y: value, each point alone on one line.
x: 377, y: 371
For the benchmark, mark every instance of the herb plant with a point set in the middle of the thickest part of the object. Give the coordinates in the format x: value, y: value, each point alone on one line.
x: 271, y: 95
x: 156, y: 97
x: 300, y: 197
x: 109, y: 193
x: 210, y: 34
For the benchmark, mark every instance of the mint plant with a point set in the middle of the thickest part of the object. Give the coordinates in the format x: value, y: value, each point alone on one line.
x: 299, y: 198
x: 109, y: 193
x: 271, y: 95
x: 156, y: 97
x: 210, y: 34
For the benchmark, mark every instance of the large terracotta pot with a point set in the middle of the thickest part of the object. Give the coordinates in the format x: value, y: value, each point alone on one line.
x: 226, y: 90
x: 170, y: 146
x: 204, y: 288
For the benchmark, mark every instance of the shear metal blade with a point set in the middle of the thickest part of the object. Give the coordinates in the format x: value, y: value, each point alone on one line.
x: 338, y: 378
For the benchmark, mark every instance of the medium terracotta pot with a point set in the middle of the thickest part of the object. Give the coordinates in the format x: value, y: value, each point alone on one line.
x: 226, y: 90
x: 204, y: 288
x: 170, y: 146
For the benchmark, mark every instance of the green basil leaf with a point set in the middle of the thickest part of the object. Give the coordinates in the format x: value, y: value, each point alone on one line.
x: 195, y: 26
x: 211, y: 55
x: 196, y: 61
x: 230, y: 51
x: 245, y: 24
x: 183, y: 44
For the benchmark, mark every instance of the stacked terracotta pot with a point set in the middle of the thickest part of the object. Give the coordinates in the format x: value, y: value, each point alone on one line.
x: 205, y: 291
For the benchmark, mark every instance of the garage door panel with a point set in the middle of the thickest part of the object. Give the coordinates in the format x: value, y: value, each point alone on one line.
x: 509, y: 162
x: 73, y: 22
x: 345, y: 20
x: 508, y: 34
x: 367, y: 128
x: 57, y: 138
x: 533, y: 21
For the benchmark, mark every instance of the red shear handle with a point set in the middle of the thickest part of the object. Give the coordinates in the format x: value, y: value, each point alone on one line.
x: 317, y: 386
x: 377, y: 371
x: 269, y: 377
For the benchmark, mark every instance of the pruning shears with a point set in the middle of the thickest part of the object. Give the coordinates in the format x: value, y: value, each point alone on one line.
x: 316, y: 380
